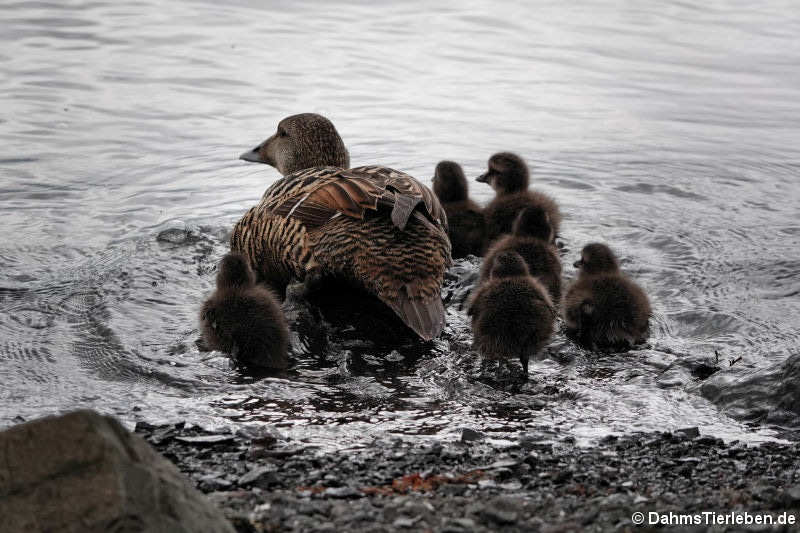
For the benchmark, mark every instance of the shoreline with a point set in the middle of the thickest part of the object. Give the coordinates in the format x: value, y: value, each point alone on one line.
x: 265, y: 482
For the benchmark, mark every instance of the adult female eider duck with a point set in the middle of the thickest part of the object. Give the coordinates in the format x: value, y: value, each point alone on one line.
x: 604, y: 309
x: 508, y: 175
x: 512, y: 315
x: 244, y: 319
x: 374, y: 227
x: 466, y: 225
x: 532, y: 238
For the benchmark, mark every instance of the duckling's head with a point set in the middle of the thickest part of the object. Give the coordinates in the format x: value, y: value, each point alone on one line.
x: 508, y: 264
x: 234, y: 271
x: 301, y: 141
x: 449, y: 182
x: 533, y: 221
x: 507, y: 173
x: 597, y: 258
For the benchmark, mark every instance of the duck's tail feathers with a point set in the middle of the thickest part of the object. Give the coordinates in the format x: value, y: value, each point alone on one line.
x: 425, y: 317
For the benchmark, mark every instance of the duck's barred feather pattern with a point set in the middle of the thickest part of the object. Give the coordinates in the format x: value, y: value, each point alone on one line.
x: 360, y: 224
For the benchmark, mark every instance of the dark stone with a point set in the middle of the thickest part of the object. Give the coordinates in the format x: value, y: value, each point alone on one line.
x: 689, y: 433
x: 470, y: 435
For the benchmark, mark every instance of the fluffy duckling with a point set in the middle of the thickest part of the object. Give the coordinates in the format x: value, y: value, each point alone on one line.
x: 532, y: 238
x: 508, y: 175
x: 512, y: 314
x: 373, y: 227
x: 604, y: 309
x: 466, y: 225
x: 244, y: 319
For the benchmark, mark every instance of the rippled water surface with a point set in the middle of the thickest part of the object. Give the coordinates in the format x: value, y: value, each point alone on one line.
x: 667, y: 129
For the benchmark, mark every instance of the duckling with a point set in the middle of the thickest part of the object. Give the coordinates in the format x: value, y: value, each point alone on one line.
x: 508, y: 176
x: 532, y: 238
x: 244, y: 319
x: 512, y: 314
x: 603, y: 308
x: 373, y: 227
x: 464, y: 217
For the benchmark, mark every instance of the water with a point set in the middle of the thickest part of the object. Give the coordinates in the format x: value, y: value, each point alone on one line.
x: 668, y: 130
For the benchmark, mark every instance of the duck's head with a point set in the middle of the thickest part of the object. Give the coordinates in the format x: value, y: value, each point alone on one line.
x: 533, y: 222
x: 507, y: 265
x: 234, y: 271
x: 507, y: 173
x: 301, y: 141
x: 449, y: 182
x: 597, y: 258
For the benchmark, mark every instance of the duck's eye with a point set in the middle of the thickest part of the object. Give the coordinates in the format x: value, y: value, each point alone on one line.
x: 282, y: 133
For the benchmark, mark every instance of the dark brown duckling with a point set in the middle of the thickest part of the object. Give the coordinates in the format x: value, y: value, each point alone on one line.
x: 532, y: 238
x: 466, y: 224
x: 244, y: 319
x: 508, y: 175
x: 373, y: 227
x: 512, y: 314
x: 604, y: 309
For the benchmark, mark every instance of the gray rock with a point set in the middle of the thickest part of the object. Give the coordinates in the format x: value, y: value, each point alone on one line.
x: 407, y: 523
x: 206, y: 440
x: 83, y: 472
x: 341, y: 492
x: 496, y: 516
x: 792, y: 496
x: 263, y: 476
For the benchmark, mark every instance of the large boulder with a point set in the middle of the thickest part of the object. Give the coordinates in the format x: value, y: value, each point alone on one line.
x: 83, y: 472
x: 770, y: 395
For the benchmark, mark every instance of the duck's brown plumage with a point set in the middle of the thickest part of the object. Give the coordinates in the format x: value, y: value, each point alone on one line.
x: 531, y: 238
x: 373, y: 226
x: 244, y: 319
x: 466, y: 224
x: 603, y: 309
x: 512, y: 314
x: 508, y: 175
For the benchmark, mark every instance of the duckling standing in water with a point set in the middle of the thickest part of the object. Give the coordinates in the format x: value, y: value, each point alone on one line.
x: 532, y: 238
x: 373, y: 227
x: 604, y: 309
x: 512, y: 314
x: 466, y: 224
x: 508, y: 175
x: 244, y: 319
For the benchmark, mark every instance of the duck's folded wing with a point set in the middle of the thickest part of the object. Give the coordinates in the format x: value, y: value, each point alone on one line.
x: 316, y: 196
x: 401, y: 193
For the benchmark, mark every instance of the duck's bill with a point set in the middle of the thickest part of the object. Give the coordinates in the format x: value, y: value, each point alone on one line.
x: 483, y: 178
x: 252, y: 155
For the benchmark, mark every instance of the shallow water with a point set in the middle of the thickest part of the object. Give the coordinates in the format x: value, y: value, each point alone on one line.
x: 666, y: 129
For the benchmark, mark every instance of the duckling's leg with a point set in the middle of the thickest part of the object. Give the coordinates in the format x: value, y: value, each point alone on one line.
x: 499, y: 373
x: 524, y: 358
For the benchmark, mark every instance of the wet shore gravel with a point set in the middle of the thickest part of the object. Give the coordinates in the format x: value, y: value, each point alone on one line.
x: 266, y: 482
